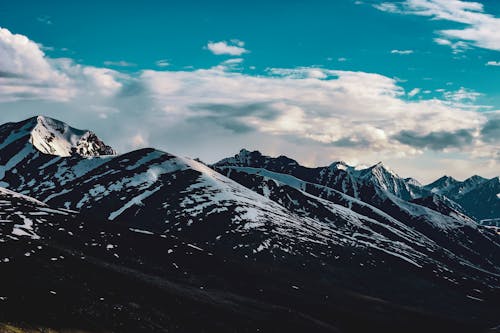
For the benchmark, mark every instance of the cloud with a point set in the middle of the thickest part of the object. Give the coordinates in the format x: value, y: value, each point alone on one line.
x: 491, y: 130
x: 414, y: 92
x: 162, y: 63
x: 387, y: 7
x: 27, y: 73
x: 479, y: 28
x: 402, y: 52
x: 319, y: 106
x: 493, y: 63
x: 436, y: 140
x: 121, y: 63
x: 457, y: 47
x: 233, y: 47
x: 45, y: 19
x: 313, y: 113
x: 461, y: 95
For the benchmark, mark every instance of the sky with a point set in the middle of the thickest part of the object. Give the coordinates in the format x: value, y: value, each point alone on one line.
x: 412, y: 83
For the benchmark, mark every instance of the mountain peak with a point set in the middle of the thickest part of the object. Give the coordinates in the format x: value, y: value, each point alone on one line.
x: 54, y: 137
x: 380, y: 166
x: 448, y: 178
x: 339, y: 165
x: 475, y: 179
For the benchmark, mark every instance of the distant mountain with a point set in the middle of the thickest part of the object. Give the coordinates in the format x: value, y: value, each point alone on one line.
x: 483, y: 201
x: 338, y: 175
x: 359, y: 182
x: 453, y: 188
x: 264, y: 233
x: 371, y: 186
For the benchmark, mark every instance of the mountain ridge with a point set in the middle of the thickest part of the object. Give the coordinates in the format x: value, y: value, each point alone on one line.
x: 334, y: 222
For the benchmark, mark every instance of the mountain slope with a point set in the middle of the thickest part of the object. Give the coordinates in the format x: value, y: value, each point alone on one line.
x: 483, y: 202
x: 253, y: 224
x: 453, y: 188
x: 97, y: 277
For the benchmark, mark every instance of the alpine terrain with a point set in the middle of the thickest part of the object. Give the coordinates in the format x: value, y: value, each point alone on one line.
x: 146, y: 241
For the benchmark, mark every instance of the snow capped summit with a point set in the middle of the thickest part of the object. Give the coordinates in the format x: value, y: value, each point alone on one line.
x: 51, y: 137
x: 339, y: 165
x: 54, y: 137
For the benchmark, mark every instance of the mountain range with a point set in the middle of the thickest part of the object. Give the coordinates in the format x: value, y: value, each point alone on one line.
x: 146, y: 241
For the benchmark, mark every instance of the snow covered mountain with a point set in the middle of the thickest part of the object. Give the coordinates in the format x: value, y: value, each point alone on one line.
x: 361, y: 183
x: 50, y: 136
x: 65, y: 187
x: 338, y: 175
x: 478, y: 196
x: 453, y: 188
x: 21, y: 215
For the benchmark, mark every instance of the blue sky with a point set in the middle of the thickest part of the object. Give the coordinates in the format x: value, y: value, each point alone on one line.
x: 428, y: 68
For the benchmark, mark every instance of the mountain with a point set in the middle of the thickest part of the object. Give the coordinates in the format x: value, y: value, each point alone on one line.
x: 338, y: 175
x: 378, y: 180
x: 441, y: 185
x: 454, y: 232
x: 442, y: 204
x: 94, y: 276
x: 483, y: 202
x: 51, y: 136
x: 453, y: 188
x: 251, y: 241
x: 477, y: 195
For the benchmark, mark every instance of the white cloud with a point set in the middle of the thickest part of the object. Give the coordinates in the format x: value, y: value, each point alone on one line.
x: 234, y: 61
x: 414, y: 92
x: 481, y: 29
x: 457, y: 47
x: 462, y: 95
x: 402, y: 52
x: 353, y: 111
x: 493, y: 63
x: 27, y: 73
x: 162, y: 63
x: 387, y: 7
x: 120, y: 63
x: 233, y: 47
x: 315, y: 114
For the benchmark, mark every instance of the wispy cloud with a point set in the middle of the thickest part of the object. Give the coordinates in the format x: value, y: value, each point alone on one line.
x: 414, y: 92
x: 45, y: 19
x: 402, y: 52
x: 493, y: 63
x: 162, y: 63
x: 462, y: 95
x: 481, y: 29
x: 457, y: 47
x: 120, y: 63
x: 234, y: 47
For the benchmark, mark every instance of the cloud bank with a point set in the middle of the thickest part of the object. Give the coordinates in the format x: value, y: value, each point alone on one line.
x: 311, y: 113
